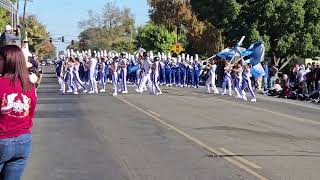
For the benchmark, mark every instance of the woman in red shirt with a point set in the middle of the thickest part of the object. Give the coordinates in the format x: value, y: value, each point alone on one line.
x: 17, y: 107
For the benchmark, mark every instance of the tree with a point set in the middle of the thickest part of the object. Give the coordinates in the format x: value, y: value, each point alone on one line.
x: 288, y: 28
x: 165, y: 12
x: 112, y: 26
x: 202, y: 36
x: 38, y: 37
x: 124, y: 46
x: 155, y: 38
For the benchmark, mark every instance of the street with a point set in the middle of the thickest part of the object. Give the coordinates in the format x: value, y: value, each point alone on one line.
x: 183, y: 134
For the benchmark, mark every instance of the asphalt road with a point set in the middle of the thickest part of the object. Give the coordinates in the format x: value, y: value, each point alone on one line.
x: 183, y: 134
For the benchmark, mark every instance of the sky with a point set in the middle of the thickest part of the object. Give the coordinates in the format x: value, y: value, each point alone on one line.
x: 61, y: 17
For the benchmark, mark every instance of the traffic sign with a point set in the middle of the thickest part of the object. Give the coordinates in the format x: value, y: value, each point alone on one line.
x: 177, y: 48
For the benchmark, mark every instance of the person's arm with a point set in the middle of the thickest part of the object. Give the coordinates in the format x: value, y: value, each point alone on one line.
x: 113, y: 68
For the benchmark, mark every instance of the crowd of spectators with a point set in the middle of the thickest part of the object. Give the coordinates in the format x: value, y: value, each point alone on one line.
x: 302, y: 83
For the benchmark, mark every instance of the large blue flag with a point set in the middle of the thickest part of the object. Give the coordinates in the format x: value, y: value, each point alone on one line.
x: 255, y: 52
x: 257, y: 71
x: 228, y: 54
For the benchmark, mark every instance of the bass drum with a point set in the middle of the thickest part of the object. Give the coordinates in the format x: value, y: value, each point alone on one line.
x: 133, y: 69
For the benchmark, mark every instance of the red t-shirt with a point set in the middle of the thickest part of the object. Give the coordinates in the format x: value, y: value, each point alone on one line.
x: 17, y: 109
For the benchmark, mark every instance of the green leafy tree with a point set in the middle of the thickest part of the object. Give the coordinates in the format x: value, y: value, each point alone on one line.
x: 155, y: 38
x: 38, y: 37
x: 124, y: 46
x: 201, y: 36
x: 288, y: 28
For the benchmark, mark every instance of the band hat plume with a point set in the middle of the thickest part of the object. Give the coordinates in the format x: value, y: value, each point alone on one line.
x: 183, y: 56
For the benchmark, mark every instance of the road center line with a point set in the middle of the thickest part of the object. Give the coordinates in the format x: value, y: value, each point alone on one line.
x: 196, y: 141
x: 154, y: 113
x: 244, y: 161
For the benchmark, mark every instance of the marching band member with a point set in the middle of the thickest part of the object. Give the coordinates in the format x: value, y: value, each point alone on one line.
x: 139, y: 73
x: 123, y: 64
x: 246, y: 83
x: 184, y: 68
x: 197, y: 69
x: 102, y: 74
x: 68, y: 78
x: 155, y: 75
x: 238, y: 80
x: 211, y: 81
x: 60, y: 74
x: 76, y: 76
x: 146, y: 73
x: 227, y: 79
x: 167, y: 63
x: 178, y: 70
x: 173, y: 71
x: 92, y: 74
x: 114, y: 71
x: 191, y: 72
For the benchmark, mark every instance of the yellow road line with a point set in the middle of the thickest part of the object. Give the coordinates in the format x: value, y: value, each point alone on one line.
x: 244, y: 161
x: 196, y: 141
x: 154, y: 113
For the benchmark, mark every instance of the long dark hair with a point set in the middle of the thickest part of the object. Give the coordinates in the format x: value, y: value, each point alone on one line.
x: 15, y: 67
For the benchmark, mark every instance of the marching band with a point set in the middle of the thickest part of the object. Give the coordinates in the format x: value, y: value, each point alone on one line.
x: 91, y: 71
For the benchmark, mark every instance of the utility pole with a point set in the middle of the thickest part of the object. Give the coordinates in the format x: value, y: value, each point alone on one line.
x: 24, y: 13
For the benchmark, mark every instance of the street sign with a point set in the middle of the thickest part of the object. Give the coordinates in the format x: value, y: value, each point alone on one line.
x: 177, y: 48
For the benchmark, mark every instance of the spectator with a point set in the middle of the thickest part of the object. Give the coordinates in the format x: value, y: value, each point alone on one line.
x: 317, y: 77
x: 276, y: 89
x: 309, y: 77
x: 8, y: 37
x: 18, y: 97
x: 273, y: 75
x: 266, y: 80
x: 286, y: 92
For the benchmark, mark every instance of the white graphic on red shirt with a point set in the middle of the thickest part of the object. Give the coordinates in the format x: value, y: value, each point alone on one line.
x: 15, y: 106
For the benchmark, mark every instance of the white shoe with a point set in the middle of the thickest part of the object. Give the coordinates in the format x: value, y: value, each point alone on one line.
x: 253, y: 100
x: 159, y: 93
x: 181, y: 86
x: 85, y: 91
x: 69, y: 91
x: 124, y: 92
x: 245, y: 98
x: 91, y: 92
x: 137, y: 90
x: 230, y: 94
x: 102, y: 90
x: 216, y: 92
x: 115, y: 94
x: 76, y: 93
x: 238, y: 97
x: 223, y: 93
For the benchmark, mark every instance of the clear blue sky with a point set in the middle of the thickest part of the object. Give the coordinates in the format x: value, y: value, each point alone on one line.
x: 61, y: 17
